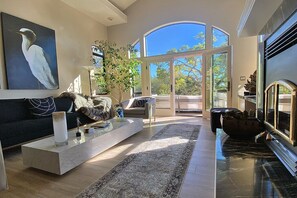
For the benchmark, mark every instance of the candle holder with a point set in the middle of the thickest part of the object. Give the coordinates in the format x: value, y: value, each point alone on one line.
x: 60, y: 128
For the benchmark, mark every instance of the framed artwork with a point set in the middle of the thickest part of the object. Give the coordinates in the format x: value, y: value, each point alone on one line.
x: 29, y: 54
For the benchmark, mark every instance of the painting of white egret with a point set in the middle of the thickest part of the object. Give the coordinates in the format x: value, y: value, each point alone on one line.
x: 29, y: 53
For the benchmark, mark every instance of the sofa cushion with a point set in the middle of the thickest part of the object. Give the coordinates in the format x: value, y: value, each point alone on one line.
x: 134, y: 111
x: 42, y: 107
x: 139, y: 102
x: 64, y: 104
x: 25, y: 130
x: 14, y: 110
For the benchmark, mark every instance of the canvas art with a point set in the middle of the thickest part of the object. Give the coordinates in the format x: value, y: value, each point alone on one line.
x: 30, y: 54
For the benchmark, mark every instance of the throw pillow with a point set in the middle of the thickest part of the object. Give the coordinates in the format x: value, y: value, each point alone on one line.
x: 64, y: 104
x: 139, y: 103
x: 42, y: 107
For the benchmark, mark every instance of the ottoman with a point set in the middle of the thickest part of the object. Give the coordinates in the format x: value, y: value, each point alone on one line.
x: 215, y: 115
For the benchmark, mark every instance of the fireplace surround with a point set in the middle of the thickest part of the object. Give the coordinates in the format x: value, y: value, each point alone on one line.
x: 280, y: 109
x: 280, y: 80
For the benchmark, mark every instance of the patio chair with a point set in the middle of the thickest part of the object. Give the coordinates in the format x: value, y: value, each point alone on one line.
x: 140, y: 107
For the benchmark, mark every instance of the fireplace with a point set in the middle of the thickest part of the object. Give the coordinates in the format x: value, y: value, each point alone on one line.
x: 280, y: 80
x: 280, y: 109
x: 280, y: 120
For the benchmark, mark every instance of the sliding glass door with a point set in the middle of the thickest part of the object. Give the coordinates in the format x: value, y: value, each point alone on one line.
x: 188, y: 83
x: 217, y: 85
x: 161, y: 86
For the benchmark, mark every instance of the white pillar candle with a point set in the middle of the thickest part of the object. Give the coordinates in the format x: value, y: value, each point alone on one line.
x: 60, y: 128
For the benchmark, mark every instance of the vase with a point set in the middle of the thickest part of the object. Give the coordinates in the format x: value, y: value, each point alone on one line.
x: 60, y: 128
x: 120, y: 112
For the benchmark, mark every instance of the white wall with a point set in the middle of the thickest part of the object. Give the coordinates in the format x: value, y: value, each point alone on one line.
x: 145, y: 15
x: 75, y: 32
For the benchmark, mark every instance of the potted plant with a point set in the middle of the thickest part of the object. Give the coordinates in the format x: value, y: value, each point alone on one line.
x: 250, y: 86
x: 120, y: 68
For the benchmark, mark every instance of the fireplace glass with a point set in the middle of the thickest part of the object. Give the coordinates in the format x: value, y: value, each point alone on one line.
x: 284, y: 110
x: 270, y: 105
x: 280, y: 109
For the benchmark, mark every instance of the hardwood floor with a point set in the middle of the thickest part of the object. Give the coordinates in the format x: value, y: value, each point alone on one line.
x: 199, y: 180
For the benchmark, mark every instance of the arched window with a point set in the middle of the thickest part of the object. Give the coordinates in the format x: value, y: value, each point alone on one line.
x: 170, y: 42
x: 137, y: 91
x: 219, y: 38
x: 181, y: 37
x: 136, y: 46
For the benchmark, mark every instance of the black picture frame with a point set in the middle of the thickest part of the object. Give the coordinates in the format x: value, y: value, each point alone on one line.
x: 29, y: 54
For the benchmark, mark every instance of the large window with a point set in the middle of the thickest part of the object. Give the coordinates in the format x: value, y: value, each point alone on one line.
x: 219, y: 38
x: 181, y: 37
x: 172, y: 58
x: 137, y: 48
x: 137, y: 90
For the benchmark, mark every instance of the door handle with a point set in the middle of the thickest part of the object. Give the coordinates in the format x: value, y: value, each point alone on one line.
x: 229, y: 86
x: 171, y: 88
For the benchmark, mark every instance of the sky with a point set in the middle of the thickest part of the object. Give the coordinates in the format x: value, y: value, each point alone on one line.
x: 173, y: 36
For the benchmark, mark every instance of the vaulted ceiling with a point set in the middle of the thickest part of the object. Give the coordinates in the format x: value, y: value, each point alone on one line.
x: 112, y: 12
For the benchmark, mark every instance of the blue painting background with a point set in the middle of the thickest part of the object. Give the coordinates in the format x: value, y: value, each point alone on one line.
x: 18, y: 73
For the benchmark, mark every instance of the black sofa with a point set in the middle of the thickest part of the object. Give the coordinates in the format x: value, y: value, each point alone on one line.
x: 18, y: 125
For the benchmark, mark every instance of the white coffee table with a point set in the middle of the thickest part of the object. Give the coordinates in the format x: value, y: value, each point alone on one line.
x: 45, y: 155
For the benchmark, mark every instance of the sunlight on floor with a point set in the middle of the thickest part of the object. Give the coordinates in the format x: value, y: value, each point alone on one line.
x: 128, y: 148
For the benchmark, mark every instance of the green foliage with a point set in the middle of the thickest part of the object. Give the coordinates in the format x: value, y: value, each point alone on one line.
x: 160, y: 84
x: 100, y: 80
x: 187, y: 72
x: 284, y: 90
x: 137, y: 80
x: 120, y: 67
x: 219, y: 72
x: 188, y: 76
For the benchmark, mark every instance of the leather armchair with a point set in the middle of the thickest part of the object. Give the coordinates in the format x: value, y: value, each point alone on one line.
x: 140, y: 107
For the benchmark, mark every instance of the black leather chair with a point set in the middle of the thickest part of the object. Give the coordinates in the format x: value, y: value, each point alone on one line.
x: 215, y: 115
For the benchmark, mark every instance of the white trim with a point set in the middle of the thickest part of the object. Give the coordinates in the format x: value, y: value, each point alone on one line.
x: 172, y: 23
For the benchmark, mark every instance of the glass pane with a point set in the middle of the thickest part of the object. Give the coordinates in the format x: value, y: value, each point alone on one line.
x: 137, y: 48
x: 270, y: 106
x: 208, y: 87
x: 160, y: 83
x: 137, y: 88
x: 284, y: 110
x: 219, y: 80
x: 181, y: 37
x: 188, y: 84
x: 219, y: 38
x: 97, y: 56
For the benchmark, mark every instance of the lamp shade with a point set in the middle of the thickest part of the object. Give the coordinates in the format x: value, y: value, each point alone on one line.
x: 60, y: 128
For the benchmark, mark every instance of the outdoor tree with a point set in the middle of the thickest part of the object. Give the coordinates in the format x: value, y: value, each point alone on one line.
x: 188, y: 75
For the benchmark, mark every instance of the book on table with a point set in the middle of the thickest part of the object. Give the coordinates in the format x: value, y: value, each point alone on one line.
x: 101, y: 124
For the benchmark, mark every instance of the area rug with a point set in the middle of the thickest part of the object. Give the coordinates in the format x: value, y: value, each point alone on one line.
x: 153, y: 169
